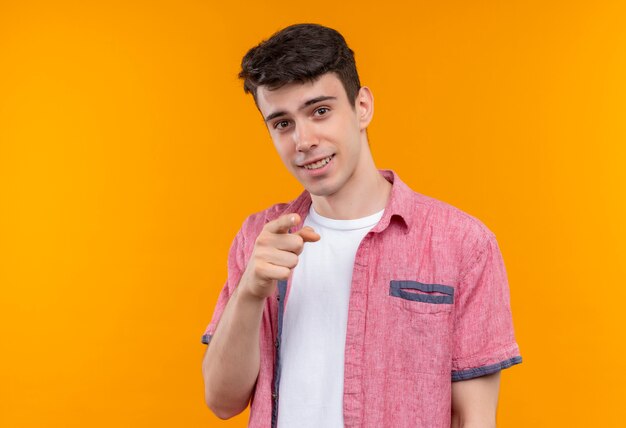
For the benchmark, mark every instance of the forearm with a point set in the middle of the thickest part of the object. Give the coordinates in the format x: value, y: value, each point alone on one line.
x: 231, y: 362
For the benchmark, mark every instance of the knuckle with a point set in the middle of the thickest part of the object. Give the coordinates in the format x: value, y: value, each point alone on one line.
x: 259, y: 254
x: 258, y: 270
x: 262, y: 239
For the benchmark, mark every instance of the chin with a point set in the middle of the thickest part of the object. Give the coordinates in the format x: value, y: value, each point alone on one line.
x: 321, y: 190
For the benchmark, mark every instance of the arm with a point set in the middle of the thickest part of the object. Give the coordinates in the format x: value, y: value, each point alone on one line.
x: 475, y: 401
x: 232, y: 359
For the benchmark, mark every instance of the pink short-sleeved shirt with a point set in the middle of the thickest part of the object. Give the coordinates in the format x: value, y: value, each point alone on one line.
x: 429, y: 305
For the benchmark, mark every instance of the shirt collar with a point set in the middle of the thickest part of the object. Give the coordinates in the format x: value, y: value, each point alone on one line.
x: 398, y: 206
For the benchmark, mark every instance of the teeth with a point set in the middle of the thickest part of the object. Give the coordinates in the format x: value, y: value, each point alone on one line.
x: 318, y: 164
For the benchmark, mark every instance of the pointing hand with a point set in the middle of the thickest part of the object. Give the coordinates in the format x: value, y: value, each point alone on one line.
x: 275, y: 254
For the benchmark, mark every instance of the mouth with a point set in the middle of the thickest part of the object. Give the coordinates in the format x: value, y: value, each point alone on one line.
x: 318, y: 164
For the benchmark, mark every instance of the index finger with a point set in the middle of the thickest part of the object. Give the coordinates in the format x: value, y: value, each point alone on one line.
x: 283, y: 223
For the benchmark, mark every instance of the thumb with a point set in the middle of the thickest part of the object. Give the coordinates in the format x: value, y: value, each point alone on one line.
x: 308, y: 234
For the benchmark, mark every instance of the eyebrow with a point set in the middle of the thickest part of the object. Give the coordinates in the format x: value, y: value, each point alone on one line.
x: 303, y: 106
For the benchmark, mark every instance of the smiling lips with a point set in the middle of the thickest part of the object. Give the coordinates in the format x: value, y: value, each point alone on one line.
x: 319, y: 164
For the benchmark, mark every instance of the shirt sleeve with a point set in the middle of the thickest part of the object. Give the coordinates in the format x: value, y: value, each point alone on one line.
x: 484, y: 340
x: 236, y: 266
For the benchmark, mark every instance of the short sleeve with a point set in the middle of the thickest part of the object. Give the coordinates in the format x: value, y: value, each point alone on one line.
x: 484, y: 341
x: 236, y: 266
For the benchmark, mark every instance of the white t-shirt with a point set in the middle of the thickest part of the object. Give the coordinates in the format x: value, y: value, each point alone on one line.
x: 315, y: 322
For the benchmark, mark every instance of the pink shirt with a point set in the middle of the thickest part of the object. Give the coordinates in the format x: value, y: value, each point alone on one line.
x: 429, y: 305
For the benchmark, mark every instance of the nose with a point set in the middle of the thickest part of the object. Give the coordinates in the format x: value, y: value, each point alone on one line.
x: 304, y: 137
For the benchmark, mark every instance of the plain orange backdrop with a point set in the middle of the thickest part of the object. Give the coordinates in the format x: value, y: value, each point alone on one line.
x: 129, y: 156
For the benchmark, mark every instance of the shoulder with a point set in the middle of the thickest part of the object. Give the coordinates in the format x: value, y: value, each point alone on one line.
x: 435, y: 217
x: 450, y: 229
x: 442, y: 215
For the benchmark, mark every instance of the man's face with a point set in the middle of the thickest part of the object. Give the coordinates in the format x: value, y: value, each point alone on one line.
x: 317, y: 132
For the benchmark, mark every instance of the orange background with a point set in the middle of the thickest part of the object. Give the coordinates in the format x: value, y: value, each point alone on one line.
x: 129, y: 156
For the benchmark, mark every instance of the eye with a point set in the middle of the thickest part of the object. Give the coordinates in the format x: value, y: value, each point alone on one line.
x: 321, y: 111
x: 282, y: 124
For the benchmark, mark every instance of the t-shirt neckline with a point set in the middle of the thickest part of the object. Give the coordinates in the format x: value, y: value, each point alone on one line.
x: 352, y: 224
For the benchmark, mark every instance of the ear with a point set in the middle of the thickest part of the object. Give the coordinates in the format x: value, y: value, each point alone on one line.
x: 364, y: 106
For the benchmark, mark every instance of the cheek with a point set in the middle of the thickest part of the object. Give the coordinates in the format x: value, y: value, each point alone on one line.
x: 346, y: 127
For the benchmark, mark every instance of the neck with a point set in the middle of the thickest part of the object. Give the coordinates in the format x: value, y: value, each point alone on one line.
x: 365, y: 193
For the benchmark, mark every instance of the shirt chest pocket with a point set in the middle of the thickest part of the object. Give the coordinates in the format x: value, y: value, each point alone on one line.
x: 419, y: 297
x: 419, y: 320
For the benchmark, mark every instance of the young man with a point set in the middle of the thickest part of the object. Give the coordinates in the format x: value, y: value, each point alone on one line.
x: 361, y: 303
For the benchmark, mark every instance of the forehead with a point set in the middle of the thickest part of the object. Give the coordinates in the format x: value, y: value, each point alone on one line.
x: 291, y: 97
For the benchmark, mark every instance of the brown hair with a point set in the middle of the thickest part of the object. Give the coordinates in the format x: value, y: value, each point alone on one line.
x: 300, y: 53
